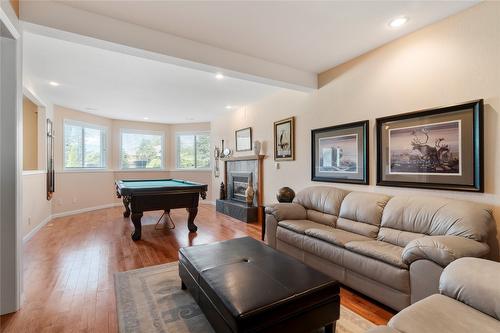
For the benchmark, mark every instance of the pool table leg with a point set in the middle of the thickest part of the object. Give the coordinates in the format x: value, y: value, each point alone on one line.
x: 192, y: 214
x: 136, y: 219
x: 126, y: 203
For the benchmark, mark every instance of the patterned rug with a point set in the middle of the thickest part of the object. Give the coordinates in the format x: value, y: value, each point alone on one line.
x: 150, y: 300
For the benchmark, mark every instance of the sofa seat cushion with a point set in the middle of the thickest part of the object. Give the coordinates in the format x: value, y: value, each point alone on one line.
x: 335, y: 236
x: 386, y: 252
x: 300, y: 226
x: 438, y: 313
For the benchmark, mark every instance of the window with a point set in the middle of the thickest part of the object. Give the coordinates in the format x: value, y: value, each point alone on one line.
x: 84, y: 145
x: 193, y: 151
x: 141, y: 150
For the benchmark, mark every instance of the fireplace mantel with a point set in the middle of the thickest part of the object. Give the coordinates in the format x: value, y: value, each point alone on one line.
x: 245, y: 158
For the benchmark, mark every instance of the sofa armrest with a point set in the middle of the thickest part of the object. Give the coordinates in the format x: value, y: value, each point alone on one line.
x: 287, y: 211
x: 442, y: 249
x: 474, y: 282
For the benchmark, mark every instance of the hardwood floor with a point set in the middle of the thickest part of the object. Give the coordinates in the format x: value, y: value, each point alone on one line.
x: 69, y: 266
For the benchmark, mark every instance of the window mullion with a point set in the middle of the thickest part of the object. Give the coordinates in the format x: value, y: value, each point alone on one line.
x: 195, y: 152
x: 83, y: 147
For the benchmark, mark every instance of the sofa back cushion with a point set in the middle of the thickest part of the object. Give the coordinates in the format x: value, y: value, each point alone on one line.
x: 322, y: 203
x: 434, y: 216
x: 361, y: 213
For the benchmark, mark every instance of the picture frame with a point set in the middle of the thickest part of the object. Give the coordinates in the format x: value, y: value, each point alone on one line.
x: 284, y: 139
x: 339, y: 153
x: 243, y: 139
x: 439, y: 148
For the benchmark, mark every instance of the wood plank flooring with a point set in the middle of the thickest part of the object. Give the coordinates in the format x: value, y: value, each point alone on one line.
x: 69, y: 266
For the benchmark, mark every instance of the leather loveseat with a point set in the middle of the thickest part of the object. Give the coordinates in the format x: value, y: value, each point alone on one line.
x: 392, y: 249
x: 469, y: 301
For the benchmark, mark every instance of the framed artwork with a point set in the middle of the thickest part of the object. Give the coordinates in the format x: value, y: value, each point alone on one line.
x: 439, y: 148
x: 284, y: 140
x: 244, y: 139
x: 340, y: 153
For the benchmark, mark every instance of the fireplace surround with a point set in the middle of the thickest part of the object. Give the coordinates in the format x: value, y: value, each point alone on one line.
x: 239, y: 171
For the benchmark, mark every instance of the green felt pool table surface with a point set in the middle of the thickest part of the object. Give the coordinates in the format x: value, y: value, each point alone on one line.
x: 156, y: 183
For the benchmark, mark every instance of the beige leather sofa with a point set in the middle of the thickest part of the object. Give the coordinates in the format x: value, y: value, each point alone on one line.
x: 469, y: 301
x: 392, y: 249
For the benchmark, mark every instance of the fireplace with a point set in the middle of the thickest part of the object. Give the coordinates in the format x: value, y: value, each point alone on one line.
x: 239, y: 172
x: 238, y: 183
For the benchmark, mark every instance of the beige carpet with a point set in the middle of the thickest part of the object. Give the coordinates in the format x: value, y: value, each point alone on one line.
x: 150, y: 300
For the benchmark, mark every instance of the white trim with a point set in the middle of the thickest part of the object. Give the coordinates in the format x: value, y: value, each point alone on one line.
x: 104, y: 133
x: 34, y: 172
x: 205, y: 202
x: 84, y: 170
x: 192, y: 169
x: 36, y: 229
x: 142, y: 170
x: 145, y: 132
x: 84, y: 210
x: 177, y: 144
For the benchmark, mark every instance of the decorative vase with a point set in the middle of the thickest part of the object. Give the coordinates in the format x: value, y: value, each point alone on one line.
x: 256, y: 147
x: 249, y: 192
x: 285, y: 194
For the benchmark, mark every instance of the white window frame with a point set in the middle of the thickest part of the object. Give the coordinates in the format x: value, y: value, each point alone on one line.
x: 177, y: 150
x: 147, y: 132
x: 104, y: 145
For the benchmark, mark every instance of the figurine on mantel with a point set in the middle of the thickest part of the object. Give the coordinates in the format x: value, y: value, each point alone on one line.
x: 249, y: 192
x: 222, y: 193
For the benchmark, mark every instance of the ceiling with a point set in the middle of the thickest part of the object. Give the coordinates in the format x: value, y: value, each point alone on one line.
x: 306, y: 35
x: 121, y: 86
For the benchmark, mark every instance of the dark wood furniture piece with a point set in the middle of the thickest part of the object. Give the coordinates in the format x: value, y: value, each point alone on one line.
x: 159, y: 194
x: 243, y: 285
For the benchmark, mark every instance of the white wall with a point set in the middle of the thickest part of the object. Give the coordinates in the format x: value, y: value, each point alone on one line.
x: 452, y: 61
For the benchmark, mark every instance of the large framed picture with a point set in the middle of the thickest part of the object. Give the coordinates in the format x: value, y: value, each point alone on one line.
x: 243, y: 139
x: 284, y: 140
x: 439, y: 148
x: 340, y: 153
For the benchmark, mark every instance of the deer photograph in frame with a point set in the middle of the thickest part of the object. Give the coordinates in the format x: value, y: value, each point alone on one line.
x: 340, y: 153
x: 284, y: 139
x: 438, y: 148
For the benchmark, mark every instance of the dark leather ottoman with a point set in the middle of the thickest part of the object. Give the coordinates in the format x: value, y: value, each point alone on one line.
x: 242, y: 285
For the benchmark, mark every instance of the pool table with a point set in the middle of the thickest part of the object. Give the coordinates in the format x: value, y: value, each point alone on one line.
x: 159, y: 194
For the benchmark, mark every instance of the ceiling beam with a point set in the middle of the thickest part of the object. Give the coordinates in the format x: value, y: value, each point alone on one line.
x: 58, y: 20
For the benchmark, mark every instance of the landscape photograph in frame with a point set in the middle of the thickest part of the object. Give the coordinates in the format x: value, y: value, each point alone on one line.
x: 339, y: 153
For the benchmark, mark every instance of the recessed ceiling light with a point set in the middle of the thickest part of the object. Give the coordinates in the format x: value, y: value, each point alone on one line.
x: 54, y: 83
x: 219, y: 76
x: 146, y: 118
x: 398, y: 22
x: 229, y: 107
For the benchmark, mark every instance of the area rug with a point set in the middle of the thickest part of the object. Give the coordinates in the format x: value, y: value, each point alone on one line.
x: 150, y: 300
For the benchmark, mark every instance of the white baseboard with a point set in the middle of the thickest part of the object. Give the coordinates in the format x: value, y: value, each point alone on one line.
x: 84, y: 210
x: 79, y: 211
x: 35, y: 229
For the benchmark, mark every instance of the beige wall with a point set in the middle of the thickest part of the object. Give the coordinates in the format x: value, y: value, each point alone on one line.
x: 36, y: 208
x: 77, y: 190
x: 452, y: 61
x: 30, y: 135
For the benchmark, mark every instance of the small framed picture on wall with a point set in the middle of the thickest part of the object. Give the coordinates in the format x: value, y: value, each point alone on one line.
x: 243, y: 139
x: 340, y: 153
x: 439, y: 148
x: 284, y: 140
